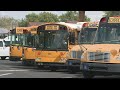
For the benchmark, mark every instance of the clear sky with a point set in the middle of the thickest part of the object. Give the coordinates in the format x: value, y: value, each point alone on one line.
x: 94, y: 15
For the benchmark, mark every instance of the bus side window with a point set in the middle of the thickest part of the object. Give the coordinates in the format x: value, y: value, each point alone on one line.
x: 72, y: 38
x: 1, y: 44
x: 82, y: 37
x: 118, y: 34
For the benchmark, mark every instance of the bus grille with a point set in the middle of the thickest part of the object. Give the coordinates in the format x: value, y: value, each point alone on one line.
x: 98, y: 56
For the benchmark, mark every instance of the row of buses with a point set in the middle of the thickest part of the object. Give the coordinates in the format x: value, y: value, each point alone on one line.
x: 51, y: 45
x: 91, y: 48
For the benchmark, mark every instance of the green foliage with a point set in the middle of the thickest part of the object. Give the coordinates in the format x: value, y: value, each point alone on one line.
x: 32, y: 17
x: 87, y: 19
x: 8, y: 22
x: 71, y: 16
x: 111, y: 13
x: 48, y: 17
x: 41, y: 17
x: 23, y: 23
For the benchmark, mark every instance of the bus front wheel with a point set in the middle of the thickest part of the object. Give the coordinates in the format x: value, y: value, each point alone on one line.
x: 53, y: 69
x: 71, y: 70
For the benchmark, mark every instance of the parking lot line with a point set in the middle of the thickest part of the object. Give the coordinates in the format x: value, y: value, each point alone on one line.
x: 66, y: 77
x: 12, y: 70
x: 5, y: 74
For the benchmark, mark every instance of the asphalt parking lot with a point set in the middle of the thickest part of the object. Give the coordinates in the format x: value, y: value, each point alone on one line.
x: 11, y: 69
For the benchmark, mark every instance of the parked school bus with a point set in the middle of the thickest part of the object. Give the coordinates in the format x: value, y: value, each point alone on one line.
x: 86, y: 36
x: 29, y: 49
x: 53, y: 44
x: 103, y: 57
x: 17, y: 43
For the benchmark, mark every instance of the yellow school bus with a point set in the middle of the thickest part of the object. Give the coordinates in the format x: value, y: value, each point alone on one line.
x: 53, y: 44
x: 17, y: 43
x: 29, y: 49
x: 86, y: 36
x: 103, y: 56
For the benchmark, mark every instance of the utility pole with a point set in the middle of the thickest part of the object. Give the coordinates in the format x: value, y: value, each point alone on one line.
x: 81, y: 16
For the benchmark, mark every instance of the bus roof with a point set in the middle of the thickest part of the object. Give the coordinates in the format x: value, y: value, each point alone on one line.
x: 77, y: 26
x: 112, y: 19
x: 20, y: 30
x: 71, y: 26
x: 33, y: 29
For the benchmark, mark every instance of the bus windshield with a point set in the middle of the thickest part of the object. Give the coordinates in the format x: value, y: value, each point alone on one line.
x: 16, y: 39
x: 28, y: 40
x: 7, y: 43
x: 108, y: 34
x: 87, y: 35
x: 52, y: 40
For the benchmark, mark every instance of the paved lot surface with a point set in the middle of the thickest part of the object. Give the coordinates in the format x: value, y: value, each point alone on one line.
x: 10, y: 69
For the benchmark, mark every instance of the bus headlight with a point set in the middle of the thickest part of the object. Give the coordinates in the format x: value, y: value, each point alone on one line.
x: 37, y: 59
x: 21, y: 59
x: 63, y: 60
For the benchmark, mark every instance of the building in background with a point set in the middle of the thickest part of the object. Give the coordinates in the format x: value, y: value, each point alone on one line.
x: 35, y: 23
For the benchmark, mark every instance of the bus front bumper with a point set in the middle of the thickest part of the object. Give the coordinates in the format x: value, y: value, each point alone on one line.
x: 15, y: 58
x: 73, y: 64
x: 100, y: 67
x: 50, y: 64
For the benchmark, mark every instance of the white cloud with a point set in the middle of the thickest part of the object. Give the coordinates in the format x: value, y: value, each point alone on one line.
x: 95, y: 15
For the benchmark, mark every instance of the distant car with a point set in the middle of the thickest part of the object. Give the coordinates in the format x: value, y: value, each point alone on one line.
x: 4, y: 48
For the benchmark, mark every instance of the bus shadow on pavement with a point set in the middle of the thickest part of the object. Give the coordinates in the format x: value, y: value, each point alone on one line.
x: 4, y: 59
x: 19, y: 65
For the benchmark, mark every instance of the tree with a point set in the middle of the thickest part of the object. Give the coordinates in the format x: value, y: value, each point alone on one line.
x: 8, y: 22
x: 23, y: 23
x: 41, y: 17
x: 87, y: 19
x: 71, y: 16
x: 47, y: 17
x: 32, y: 17
x: 111, y: 13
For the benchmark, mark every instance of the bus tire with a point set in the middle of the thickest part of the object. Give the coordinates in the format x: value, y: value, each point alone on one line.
x: 24, y: 63
x: 71, y: 70
x: 53, y: 69
x: 39, y: 67
x: 87, y: 74
x: 3, y: 58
